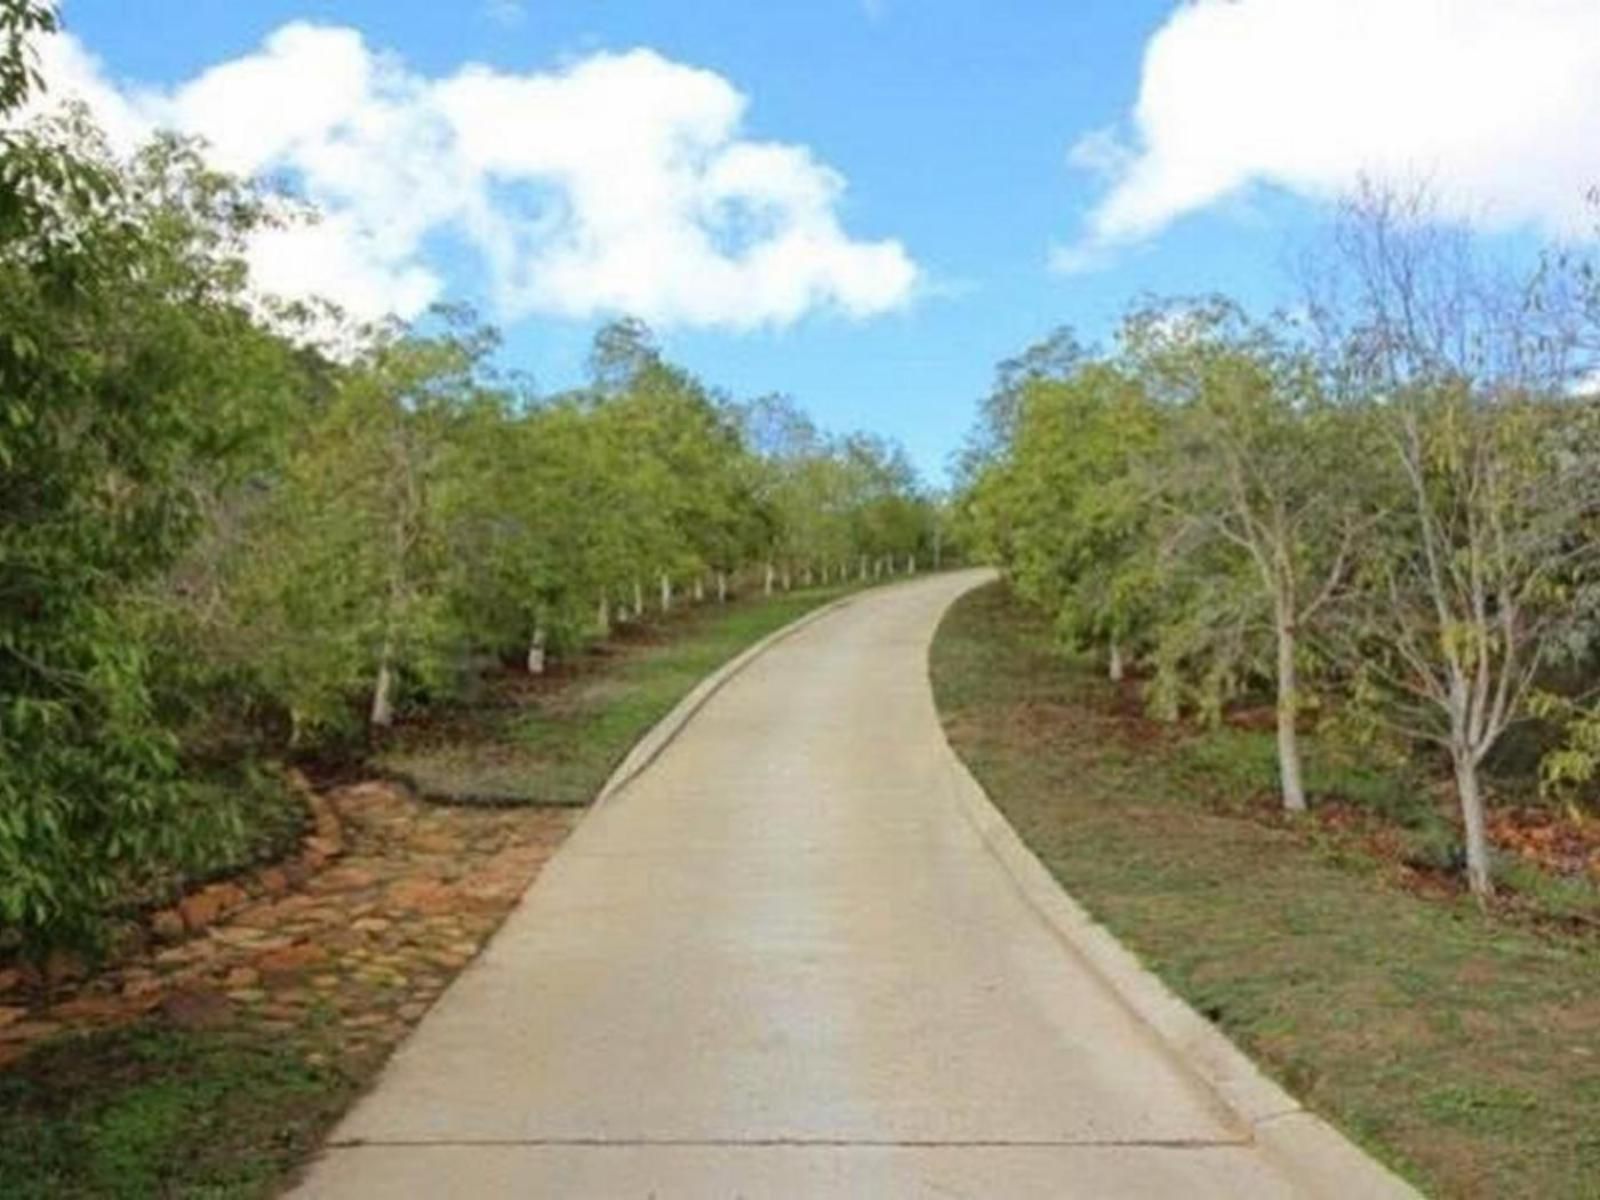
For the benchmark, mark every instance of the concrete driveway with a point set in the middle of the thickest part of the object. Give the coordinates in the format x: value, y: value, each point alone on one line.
x: 783, y: 963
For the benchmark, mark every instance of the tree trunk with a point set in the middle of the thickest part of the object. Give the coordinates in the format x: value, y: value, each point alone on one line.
x: 382, y: 714
x: 699, y: 589
x: 911, y: 564
x: 638, y: 600
x: 1469, y: 789
x: 788, y: 580
x: 666, y: 592
x: 1294, y: 792
x: 536, y: 653
x: 722, y: 587
x: 1115, y: 669
x: 772, y: 574
x: 862, y: 576
x: 603, y: 615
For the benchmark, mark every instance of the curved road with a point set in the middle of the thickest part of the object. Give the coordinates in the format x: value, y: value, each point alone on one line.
x: 781, y: 963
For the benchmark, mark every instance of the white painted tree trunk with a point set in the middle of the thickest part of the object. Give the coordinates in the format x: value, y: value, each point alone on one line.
x: 772, y: 575
x: 1469, y: 788
x: 602, y: 616
x: 666, y: 593
x: 911, y: 564
x: 877, y: 568
x: 1289, y: 774
x: 536, y: 653
x: 788, y: 579
x: 699, y: 589
x: 638, y: 600
x: 805, y: 576
x: 862, y: 576
x: 382, y: 714
x: 722, y: 587
x: 1115, y: 669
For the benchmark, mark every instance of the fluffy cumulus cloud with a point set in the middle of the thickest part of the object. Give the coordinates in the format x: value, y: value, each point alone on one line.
x: 1494, y: 105
x: 619, y: 183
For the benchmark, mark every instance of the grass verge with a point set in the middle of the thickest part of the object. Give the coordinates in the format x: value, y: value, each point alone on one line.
x: 1462, y: 1048
x: 226, y: 1099
x: 554, y: 740
x: 162, y: 1112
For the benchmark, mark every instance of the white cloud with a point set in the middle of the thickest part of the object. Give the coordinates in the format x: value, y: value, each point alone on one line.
x: 1494, y: 104
x: 620, y: 183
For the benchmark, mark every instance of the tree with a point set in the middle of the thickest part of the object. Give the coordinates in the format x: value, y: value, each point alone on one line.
x: 1468, y: 584
x: 1261, y: 467
x: 133, y: 377
x: 1077, y: 479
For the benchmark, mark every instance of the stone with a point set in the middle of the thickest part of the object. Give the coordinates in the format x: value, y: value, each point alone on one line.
x: 316, y: 850
x: 344, y: 878
x: 167, y: 925
x: 270, y: 916
x: 249, y: 937
x: 242, y: 977
x: 174, y: 955
x: 28, y: 1031
x: 373, y: 925
x: 200, y: 910
x: 197, y: 1008
x: 282, y: 967
x: 10, y: 979
x: 422, y: 896
x: 324, y: 916
x: 436, y: 841
x: 11, y: 1015
x: 229, y: 895
x: 90, y: 1009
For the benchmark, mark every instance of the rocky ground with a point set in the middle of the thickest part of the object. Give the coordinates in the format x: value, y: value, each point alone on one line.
x: 360, y: 931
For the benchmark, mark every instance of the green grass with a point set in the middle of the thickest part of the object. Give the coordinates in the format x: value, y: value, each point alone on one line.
x: 1462, y: 1048
x: 150, y: 1113
x: 556, y: 745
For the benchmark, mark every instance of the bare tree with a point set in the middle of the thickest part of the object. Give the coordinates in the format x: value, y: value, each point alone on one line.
x: 1464, y: 589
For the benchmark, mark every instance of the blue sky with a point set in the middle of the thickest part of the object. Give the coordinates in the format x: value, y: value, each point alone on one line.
x: 967, y: 226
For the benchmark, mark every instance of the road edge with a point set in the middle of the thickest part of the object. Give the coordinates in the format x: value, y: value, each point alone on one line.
x: 1301, y: 1145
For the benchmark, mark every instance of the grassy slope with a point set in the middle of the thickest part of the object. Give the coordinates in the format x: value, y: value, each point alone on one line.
x: 1463, y: 1050
x: 158, y: 1112
x: 556, y: 743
